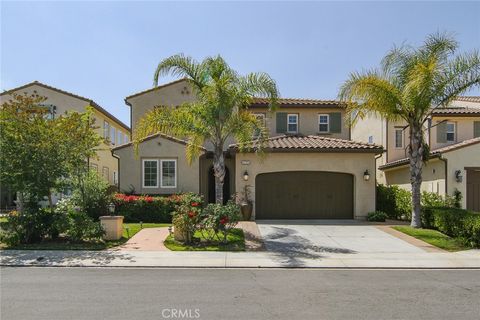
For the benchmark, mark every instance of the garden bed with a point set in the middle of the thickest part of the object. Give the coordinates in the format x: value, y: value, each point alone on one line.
x: 129, y: 230
x: 235, y: 242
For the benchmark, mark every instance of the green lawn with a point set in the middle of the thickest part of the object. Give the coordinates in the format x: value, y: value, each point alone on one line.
x: 60, y: 244
x: 433, y: 237
x: 236, y: 242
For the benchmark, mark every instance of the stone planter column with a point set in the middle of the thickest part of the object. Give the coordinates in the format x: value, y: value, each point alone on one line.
x: 113, y: 226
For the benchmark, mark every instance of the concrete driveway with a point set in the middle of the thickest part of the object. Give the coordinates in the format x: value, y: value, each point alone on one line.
x: 319, y: 238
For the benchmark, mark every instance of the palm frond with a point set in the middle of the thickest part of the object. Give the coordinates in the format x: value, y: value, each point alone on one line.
x: 260, y: 85
x: 369, y: 92
x: 181, y: 66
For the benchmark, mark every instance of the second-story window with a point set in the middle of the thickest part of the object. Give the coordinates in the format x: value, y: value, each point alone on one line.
x: 112, y: 135
x: 119, y: 137
x: 292, y: 123
x: 450, y: 132
x: 106, y: 130
x: 323, y: 123
x: 125, y: 138
x: 398, y: 138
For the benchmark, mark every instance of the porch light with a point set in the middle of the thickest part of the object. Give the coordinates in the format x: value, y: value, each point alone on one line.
x: 245, y: 175
x: 458, y: 176
x: 111, y: 208
x: 366, y: 175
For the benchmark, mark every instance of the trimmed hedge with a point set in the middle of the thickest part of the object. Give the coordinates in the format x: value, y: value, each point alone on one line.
x: 397, y: 202
x: 453, y: 222
x: 145, y: 208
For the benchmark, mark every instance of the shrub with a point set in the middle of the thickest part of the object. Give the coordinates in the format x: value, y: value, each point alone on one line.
x: 92, y: 195
x: 454, y: 222
x: 83, y: 228
x: 394, y: 201
x: 80, y: 226
x: 217, y: 217
x: 378, y: 216
x: 30, y: 226
x: 145, y: 208
x: 187, y: 215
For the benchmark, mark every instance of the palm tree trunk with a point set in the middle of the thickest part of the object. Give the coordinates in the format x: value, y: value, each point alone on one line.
x: 219, y: 172
x: 415, y: 153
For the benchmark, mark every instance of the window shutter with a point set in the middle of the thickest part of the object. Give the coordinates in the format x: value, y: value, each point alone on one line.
x: 476, y: 129
x: 442, y: 132
x: 281, y: 122
x: 335, y: 122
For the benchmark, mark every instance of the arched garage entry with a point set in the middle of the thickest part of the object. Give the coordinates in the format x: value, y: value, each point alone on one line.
x: 304, y: 195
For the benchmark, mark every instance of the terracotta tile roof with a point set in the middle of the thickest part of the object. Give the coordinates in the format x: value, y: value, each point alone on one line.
x: 293, y: 102
x: 456, y: 111
x: 434, y: 153
x: 469, y: 98
x: 153, y: 136
x: 299, y: 143
x: 90, y: 101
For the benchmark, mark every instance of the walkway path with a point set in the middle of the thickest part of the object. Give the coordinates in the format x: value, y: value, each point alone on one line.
x: 148, y: 239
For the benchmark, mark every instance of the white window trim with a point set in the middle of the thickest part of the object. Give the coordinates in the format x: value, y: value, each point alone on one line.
x: 288, y: 122
x: 106, y: 130
x: 113, y: 133
x: 395, y: 139
x: 115, y: 177
x: 161, y: 173
x: 454, y: 132
x: 143, y: 174
x: 328, y: 122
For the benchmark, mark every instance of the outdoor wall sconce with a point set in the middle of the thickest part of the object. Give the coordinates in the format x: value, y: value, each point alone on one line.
x: 366, y: 175
x: 245, y: 175
x: 458, y: 176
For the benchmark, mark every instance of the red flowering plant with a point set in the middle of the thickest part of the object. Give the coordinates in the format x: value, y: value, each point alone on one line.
x: 144, y: 208
x: 187, y: 216
x: 219, y: 219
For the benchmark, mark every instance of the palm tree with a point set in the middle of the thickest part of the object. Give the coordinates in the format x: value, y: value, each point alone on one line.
x: 411, y: 83
x: 220, y: 111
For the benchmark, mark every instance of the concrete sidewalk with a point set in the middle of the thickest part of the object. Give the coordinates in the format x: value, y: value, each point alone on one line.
x: 111, y: 258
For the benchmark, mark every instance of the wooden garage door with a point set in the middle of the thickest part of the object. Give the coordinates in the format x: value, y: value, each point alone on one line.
x: 473, y: 189
x: 304, y: 195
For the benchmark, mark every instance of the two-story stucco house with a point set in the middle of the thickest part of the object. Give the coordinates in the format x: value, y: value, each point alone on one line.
x: 453, y: 135
x: 310, y: 169
x: 114, y: 131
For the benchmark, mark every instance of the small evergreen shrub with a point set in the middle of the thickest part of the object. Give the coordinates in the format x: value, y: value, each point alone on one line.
x: 377, y: 216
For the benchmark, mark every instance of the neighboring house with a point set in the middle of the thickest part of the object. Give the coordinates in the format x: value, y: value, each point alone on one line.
x: 113, y: 130
x: 310, y: 168
x: 453, y: 135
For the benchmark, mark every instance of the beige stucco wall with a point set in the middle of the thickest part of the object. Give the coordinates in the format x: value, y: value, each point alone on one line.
x: 464, y: 130
x: 433, y: 177
x: 353, y: 163
x: 375, y: 126
x: 307, y: 121
x: 66, y: 103
x: 170, y: 95
x: 458, y: 160
x: 157, y: 148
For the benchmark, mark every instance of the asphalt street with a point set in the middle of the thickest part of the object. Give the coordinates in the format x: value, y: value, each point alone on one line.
x: 103, y: 293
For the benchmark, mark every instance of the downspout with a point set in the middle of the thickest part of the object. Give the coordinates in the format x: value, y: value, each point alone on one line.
x: 118, y: 167
x: 375, y: 174
x: 446, y: 173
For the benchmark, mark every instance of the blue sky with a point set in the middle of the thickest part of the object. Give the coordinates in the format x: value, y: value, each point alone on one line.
x: 109, y: 50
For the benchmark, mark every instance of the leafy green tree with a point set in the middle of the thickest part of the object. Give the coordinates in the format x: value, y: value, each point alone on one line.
x: 39, y: 153
x: 411, y: 83
x: 220, y: 111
